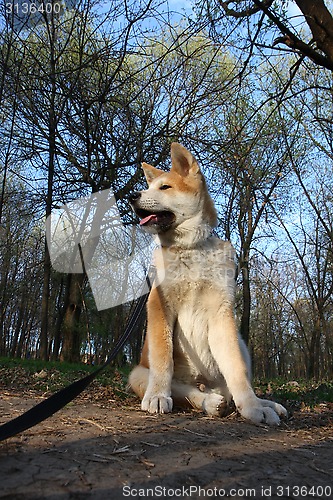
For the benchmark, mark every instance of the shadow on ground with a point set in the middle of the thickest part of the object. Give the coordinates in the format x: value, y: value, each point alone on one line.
x: 102, y: 451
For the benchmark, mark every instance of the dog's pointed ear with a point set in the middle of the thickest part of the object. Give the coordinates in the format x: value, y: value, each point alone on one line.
x: 182, y: 161
x: 151, y: 172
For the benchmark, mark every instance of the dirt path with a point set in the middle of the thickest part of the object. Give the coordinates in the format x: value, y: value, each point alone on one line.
x: 103, y: 451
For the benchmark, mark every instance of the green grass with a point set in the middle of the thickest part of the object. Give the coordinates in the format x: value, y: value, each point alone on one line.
x: 25, y: 374
x: 35, y: 365
x: 308, y: 392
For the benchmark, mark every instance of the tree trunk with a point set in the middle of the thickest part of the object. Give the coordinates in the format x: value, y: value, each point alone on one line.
x: 57, y: 337
x: 47, y: 259
x: 70, y: 351
x: 45, y: 305
x: 13, y: 351
x: 320, y: 22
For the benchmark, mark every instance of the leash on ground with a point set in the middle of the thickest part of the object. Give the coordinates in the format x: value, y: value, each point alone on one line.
x: 57, y: 401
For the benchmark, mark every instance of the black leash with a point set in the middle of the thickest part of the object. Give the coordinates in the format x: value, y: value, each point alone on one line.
x: 54, y: 403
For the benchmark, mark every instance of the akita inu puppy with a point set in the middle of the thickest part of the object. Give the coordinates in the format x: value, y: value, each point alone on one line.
x: 192, y: 353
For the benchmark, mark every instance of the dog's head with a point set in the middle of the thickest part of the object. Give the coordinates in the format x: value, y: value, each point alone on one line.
x: 174, y: 198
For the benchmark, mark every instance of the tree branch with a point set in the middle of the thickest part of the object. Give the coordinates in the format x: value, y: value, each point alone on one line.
x: 292, y: 41
x: 243, y: 13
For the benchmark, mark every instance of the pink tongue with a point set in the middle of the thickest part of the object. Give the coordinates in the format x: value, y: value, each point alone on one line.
x: 144, y: 221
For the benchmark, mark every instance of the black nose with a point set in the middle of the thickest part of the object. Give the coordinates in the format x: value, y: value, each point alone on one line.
x: 134, y: 196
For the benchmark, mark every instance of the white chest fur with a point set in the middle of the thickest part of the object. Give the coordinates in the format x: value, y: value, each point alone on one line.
x: 195, y: 283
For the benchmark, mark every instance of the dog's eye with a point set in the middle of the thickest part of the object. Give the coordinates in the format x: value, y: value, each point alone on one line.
x: 164, y: 187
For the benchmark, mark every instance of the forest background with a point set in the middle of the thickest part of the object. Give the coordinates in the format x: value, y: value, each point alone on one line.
x: 90, y: 90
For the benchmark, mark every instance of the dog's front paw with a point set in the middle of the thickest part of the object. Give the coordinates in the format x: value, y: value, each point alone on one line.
x: 158, y: 403
x: 279, y: 409
x: 261, y: 415
x: 263, y: 412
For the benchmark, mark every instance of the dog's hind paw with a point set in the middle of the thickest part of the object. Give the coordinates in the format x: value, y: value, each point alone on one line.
x: 216, y: 406
x: 157, y: 404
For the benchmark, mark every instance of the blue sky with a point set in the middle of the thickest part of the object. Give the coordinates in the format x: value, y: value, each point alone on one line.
x: 184, y: 7
x: 179, y: 5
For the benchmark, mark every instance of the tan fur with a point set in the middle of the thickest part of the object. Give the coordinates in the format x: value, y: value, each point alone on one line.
x: 193, y: 353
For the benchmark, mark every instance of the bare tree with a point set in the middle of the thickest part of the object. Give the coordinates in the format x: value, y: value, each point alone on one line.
x: 102, y: 98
